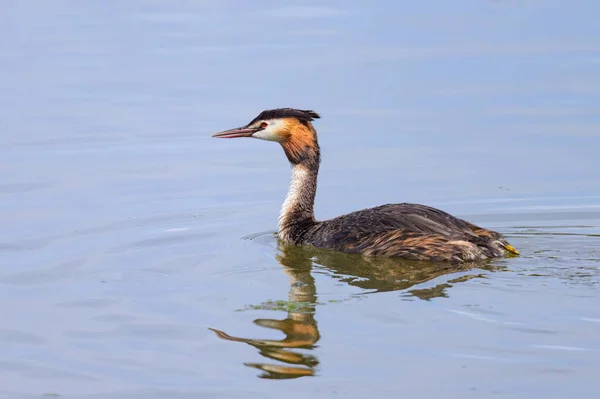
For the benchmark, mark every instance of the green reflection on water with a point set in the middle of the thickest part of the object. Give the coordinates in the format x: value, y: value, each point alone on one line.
x: 300, y: 326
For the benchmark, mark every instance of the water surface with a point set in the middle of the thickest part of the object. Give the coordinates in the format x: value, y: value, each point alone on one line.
x: 138, y: 259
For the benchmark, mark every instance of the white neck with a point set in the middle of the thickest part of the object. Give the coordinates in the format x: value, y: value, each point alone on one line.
x: 299, y: 203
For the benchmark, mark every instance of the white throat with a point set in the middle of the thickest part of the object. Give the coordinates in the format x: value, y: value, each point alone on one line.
x: 297, y: 183
x: 299, y: 187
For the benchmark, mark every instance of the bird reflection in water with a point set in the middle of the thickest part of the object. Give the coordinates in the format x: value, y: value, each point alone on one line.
x: 371, y: 274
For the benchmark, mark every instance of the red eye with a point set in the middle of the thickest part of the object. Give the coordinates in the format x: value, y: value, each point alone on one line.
x: 264, y: 125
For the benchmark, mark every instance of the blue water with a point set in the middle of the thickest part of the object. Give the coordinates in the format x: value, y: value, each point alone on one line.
x: 127, y: 232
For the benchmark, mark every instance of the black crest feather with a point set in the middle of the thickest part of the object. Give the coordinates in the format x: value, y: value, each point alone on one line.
x: 300, y: 114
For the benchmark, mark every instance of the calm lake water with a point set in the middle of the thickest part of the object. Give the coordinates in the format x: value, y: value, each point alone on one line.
x: 137, y: 254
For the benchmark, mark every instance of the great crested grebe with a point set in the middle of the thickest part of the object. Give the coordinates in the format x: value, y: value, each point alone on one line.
x: 409, y: 231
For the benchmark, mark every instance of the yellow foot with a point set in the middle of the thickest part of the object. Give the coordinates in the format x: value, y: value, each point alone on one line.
x: 511, y: 249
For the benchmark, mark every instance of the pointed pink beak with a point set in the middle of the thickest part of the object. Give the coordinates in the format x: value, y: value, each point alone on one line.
x: 237, y: 132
